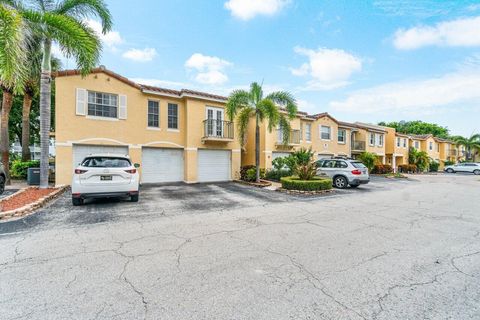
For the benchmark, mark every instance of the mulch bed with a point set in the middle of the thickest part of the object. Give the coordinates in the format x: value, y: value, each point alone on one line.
x: 262, y: 184
x: 21, y: 199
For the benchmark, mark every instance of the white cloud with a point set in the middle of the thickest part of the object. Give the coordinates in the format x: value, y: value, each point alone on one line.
x: 456, y: 33
x: 210, y: 70
x: 140, y: 55
x: 248, y: 9
x: 422, y: 96
x: 328, y: 68
x: 111, y: 39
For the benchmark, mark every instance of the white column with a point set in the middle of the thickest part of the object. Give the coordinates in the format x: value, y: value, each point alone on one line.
x: 394, y: 163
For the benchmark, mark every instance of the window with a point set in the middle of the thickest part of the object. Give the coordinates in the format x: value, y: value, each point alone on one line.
x: 417, y: 145
x: 329, y: 164
x: 430, y: 146
x: 372, y: 139
x: 102, y: 104
x: 325, y: 132
x: 358, y: 165
x: 380, y: 140
x: 308, y: 132
x: 153, y: 114
x: 172, y: 116
x: 106, y: 162
x: 341, y: 164
x: 342, y: 135
x: 404, y: 143
x: 438, y: 147
x: 398, y: 142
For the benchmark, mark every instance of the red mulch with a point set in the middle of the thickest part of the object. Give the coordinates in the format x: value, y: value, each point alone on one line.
x: 24, y: 198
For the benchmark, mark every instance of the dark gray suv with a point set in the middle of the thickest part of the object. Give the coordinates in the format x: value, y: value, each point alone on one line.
x: 2, y: 178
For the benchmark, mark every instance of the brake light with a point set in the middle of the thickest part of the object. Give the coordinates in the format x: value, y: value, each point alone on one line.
x: 80, y: 171
x: 132, y: 171
x: 356, y: 172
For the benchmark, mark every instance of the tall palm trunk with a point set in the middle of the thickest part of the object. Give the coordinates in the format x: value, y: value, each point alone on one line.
x: 7, y: 102
x: 27, y: 104
x: 45, y: 104
x: 257, y: 149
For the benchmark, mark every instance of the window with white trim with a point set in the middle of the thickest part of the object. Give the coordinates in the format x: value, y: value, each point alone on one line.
x: 102, y: 104
x: 153, y: 114
x: 325, y: 132
x: 372, y: 139
x: 404, y: 142
x: 380, y: 140
x: 417, y: 145
x: 430, y: 145
x: 172, y: 116
x: 398, y: 142
x: 308, y: 132
x: 342, y: 136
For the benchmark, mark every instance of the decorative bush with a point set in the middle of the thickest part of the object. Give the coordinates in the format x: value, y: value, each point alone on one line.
x: 382, y: 169
x: 407, y: 168
x: 434, y: 165
x: 243, y: 172
x: 251, y: 174
x: 316, y: 184
x: 275, y: 175
x: 368, y: 159
x: 19, y: 168
x: 448, y: 163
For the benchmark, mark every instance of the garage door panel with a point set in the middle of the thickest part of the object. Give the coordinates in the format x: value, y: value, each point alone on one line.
x: 214, y: 165
x: 162, y: 165
x: 82, y: 151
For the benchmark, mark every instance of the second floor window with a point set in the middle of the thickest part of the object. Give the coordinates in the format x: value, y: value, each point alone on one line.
x: 342, y: 136
x: 379, y: 140
x: 398, y: 142
x: 372, y: 139
x: 404, y: 143
x: 172, y: 116
x: 430, y: 146
x: 417, y: 145
x: 325, y: 132
x: 153, y: 114
x: 308, y: 132
x: 102, y: 104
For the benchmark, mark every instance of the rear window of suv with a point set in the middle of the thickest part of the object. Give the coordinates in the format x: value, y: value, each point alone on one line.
x: 358, y: 165
x: 106, y: 162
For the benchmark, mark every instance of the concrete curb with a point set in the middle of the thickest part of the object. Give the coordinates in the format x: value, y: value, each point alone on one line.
x: 31, y: 207
x: 305, y: 193
x: 262, y: 184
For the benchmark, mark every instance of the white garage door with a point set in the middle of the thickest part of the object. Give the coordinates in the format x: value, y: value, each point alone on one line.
x: 81, y: 151
x: 280, y: 155
x: 162, y: 165
x: 214, y: 165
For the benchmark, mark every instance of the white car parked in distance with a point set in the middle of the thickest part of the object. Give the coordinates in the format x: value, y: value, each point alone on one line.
x: 464, y: 167
x: 105, y: 176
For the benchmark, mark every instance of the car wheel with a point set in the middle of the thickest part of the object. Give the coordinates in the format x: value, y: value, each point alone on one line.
x: 450, y: 170
x: 134, y: 198
x: 340, y: 182
x: 77, y: 201
x: 476, y: 172
x: 2, y: 184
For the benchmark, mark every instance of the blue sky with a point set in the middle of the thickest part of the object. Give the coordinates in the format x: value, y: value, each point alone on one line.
x: 368, y: 60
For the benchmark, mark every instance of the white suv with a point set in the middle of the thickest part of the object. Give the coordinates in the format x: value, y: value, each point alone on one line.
x: 464, y: 167
x: 344, y: 172
x: 105, y: 176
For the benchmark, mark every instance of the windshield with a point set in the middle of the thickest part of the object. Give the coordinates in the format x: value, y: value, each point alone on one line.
x: 106, y: 162
x: 358, y: 165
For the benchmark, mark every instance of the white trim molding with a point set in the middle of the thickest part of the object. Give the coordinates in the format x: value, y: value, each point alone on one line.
x: 98, y: 140
x: 236, y: 150
x: 162, y: 142
x: 190, y: 149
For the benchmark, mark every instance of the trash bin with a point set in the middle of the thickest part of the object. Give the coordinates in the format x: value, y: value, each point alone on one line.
x: 33, y: 176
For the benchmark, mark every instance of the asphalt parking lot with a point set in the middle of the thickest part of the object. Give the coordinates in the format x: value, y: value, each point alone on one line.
x: 394, y: 249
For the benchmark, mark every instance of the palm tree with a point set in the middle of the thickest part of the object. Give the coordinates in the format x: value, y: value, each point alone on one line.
x: 277, y: 108
x: 62, y: 23
x: 471, y: 144
x: 12, y: 72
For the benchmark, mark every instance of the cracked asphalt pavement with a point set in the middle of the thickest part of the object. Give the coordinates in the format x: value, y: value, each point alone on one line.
x: 394, y: 249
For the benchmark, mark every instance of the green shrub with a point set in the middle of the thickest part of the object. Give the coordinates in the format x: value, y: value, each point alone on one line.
x: 368, y: 159
x: 407, y: 168
x: 316, y: 184
x: 434, y: 165
x: 448, y: 163
x: 275, y: 175
x: 382, y: 169
x: 243, y: 172
x: 251, y: 174
x: 19, y: 169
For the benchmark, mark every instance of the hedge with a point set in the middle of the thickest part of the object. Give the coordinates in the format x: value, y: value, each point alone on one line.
x: 249, y: 173
x: 382, y: 169
x: 19, y: 168
x: 317, y: 184
x: 276, y: 175
x: 407, y: 168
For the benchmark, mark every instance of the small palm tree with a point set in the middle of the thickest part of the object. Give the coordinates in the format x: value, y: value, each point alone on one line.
x: 60, y: 22
x: 422, y: 160
x: 369, y: 159
x: 278, y: 108
x: 471, y: 144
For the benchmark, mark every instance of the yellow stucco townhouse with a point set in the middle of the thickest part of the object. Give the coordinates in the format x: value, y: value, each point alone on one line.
x: 370, y: 138
x: 173, y: 135
x: 397, y: 146
x: 427, y: 143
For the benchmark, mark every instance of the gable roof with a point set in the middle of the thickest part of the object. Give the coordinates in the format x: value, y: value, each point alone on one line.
x: 145, y: 88
x: 421, y: 136
x: 324, y: 114
x: 371, y: 127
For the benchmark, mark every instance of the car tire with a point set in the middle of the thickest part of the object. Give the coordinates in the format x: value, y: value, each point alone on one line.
x: 77, y: 201
x: 476, y: 172
x: 134, y: 198
x: 340, y: 182
x: 2, y: 184
x: 450, y: 170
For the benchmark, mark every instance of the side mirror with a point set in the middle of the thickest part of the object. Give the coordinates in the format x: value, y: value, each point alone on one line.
x: 137, y: 165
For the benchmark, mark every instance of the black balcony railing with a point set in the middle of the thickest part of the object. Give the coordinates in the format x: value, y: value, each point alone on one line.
x: 217, y: 129
x: 293, y: 139
x: 358, y: 145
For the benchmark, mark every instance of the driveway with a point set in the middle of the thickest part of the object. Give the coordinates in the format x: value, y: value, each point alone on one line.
x: 389, y: 250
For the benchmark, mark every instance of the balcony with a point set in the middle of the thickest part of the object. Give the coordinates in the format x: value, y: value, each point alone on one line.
x: 293, y: 139
x: 217, y: 130
x: 358, y: 146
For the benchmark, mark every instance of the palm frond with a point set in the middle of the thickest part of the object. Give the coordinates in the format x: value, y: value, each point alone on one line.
x: 256, y: 92
x: 87, y: 8
x: 13, y: 41
x: 237, y: 100
x: 284, y: 124
x: 267, y: 109
x: 242, y: 123
x: 286, y: 100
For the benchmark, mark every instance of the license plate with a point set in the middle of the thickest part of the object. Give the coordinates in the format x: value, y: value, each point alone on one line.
x: 105, y: 178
